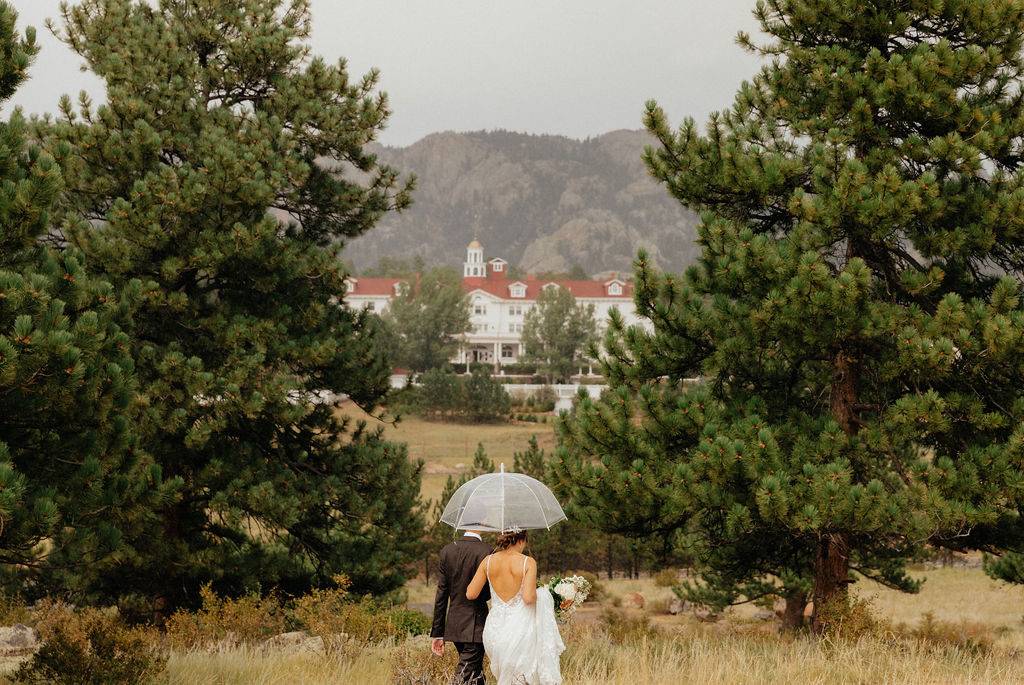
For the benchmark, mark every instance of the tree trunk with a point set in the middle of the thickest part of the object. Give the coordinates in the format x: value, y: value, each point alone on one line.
x: 844, y: 391
x: 793, y: 614
x: 168, y: 599
x: 610, y: 567
x: 832, y: 554
x: 831, y: 577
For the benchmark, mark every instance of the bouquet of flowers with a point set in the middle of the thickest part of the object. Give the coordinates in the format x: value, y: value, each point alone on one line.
x: 568, y: 593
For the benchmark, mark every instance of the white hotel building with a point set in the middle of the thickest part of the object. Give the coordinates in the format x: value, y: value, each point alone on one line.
x: 498, y: 305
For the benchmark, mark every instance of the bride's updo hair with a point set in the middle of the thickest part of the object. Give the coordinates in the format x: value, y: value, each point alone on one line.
x: 506, y: 540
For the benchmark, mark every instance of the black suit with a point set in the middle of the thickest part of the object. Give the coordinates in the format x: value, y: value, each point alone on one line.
x: 456, y: 618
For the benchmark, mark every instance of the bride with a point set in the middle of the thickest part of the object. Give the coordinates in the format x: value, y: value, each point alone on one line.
x: 520, y: 635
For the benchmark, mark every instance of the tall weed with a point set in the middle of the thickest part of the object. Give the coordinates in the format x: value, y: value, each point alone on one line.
x: 226, y: 621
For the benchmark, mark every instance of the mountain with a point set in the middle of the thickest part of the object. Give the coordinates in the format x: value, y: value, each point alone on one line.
x: 543, y: 203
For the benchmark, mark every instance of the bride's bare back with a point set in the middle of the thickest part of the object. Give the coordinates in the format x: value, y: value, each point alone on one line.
x: 506, y: 576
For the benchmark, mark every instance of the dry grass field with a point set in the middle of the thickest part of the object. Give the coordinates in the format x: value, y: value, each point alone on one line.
x: 448, y: 448
x: 976, y: 638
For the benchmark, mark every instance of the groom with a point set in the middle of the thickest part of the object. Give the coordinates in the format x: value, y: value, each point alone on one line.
x: 456, y: 618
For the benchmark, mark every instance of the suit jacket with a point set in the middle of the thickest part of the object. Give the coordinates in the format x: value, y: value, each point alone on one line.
x: 456, y: 618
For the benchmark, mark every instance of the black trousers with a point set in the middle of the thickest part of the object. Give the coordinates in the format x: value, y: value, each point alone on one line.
x: 470, y: 670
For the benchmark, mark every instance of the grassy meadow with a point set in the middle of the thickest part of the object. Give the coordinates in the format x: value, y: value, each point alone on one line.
x: 962, y: 628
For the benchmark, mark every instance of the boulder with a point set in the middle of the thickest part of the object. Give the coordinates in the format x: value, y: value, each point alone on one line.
x: 705, y: 613
x: 677, y: 605
x: 295, y: 638
x: 633, y: 600
x: 18, y: 640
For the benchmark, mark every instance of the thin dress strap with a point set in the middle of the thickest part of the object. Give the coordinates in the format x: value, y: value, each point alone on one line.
x: 522, y: 583
x: 487, y: 570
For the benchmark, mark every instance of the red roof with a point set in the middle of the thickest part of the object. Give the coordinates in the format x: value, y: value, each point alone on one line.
x: 588, y: 289
x: 373, y: 286
x: 500, y: 287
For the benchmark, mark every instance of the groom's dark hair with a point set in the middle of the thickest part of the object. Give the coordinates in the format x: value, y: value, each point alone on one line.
x: 506, y: 540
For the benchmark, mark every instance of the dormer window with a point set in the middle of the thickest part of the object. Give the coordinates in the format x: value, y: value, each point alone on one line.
x: 615, y: 289
x: 517, y: 290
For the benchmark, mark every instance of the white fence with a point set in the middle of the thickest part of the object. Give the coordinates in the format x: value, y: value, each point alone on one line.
x: 563, y: 392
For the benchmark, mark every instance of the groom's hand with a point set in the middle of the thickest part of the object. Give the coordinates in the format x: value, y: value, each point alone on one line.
x: 437, y: 646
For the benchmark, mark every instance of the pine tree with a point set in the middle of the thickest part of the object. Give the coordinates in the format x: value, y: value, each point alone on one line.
x: 855, y: 313
x: 72, y: 481
x: 557, y: 331
x: 222, y: 179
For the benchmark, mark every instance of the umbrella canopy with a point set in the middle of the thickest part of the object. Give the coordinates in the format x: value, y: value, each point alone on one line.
x: 501, y: 502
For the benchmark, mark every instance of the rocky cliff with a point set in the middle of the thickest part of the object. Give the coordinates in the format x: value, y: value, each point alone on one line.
x: 543, y: 203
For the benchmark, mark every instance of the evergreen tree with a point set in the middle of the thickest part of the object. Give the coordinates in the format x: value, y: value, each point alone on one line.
x: 568, y: 545
x: 477, y: 398
x: 556, y: 333
x: 427, y: 318
x: 863, y: 353
x: 72, y: 482
x: 439, y: 393
x: 485, y: 399
x: 222, y: 179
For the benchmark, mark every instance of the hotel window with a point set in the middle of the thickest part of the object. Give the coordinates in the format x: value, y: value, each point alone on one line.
x: 515, y: 310
x: 479, y: 309
x: 615, y: 289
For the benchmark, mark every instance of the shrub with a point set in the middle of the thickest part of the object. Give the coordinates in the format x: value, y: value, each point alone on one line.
x: 970, y: 637
x: 666, y: 578
x: 622, y: 629
x: 323, y: 613
x: 369, y: 621
x: 330, y: 614
x: 90, y: 648
x: 544, y: 399
x: 246, y: 619
x: 850, y: 618
x: 13, y: 610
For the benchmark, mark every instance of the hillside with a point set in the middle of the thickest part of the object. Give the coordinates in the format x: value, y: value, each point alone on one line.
x: 543, y: 203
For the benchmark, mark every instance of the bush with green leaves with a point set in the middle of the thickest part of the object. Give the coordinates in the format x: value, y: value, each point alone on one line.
x: 89, y: 647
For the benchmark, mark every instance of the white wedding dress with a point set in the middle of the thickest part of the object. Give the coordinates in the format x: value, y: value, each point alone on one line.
x: 522, y: 640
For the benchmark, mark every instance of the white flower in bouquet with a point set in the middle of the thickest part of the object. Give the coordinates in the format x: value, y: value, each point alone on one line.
x: 566, y: 590
x: 568, y: 594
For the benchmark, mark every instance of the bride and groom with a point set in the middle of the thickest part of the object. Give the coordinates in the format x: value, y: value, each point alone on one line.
x: 519, y: 634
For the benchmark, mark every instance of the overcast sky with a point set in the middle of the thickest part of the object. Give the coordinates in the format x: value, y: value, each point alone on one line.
x: 572, y: 67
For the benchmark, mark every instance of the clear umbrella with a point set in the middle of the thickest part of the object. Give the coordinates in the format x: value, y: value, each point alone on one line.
x: 501, y: 502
